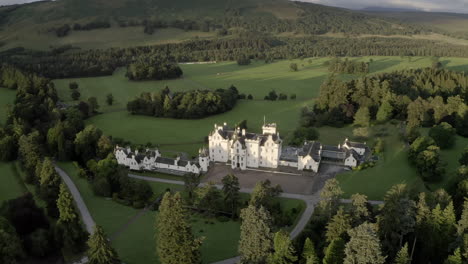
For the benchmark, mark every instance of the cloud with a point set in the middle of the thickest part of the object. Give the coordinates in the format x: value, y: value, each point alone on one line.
x: 459, y: 6
x: 12, y: 2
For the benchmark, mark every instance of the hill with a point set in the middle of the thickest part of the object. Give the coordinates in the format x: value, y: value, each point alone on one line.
x: 41, y: 24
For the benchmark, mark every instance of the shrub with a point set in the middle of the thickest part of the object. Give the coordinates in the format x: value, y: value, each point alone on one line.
x: 292, y: 97
x: 250, y: 97
x: 282, y: 97
x: 223, y: 218
x: 443, y: 134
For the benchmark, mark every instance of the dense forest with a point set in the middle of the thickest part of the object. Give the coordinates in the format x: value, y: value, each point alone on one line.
x: 189, y: 104
x: 61, y: 64
x: 153, y: 70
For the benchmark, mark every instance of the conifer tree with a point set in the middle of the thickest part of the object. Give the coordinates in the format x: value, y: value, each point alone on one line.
x: 284, y: 252
x: 175, y: 243
x: 309, y: 253
x: 256, y: 238
x: 359, y: 211
x: 231, y: 192
x: 385, y: 112
x: 338, y: 225
x: 330, y: 197
x: 456, y: 258
x: 100, y: 250
x: 402, y: 256
x: 334, y: 253
x: 364, y: 246
x: 362, y: 117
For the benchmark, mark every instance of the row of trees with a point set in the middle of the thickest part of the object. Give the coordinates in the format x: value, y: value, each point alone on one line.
x: 190, y: 104
x: 86, y: 63
x: 273, y: 96
x: 153, y: 70
x: 338, y: 65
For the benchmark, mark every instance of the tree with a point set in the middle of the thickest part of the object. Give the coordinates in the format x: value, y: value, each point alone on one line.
x: 11, y: 251
x: 363, y: 246
x: 208, y: 197
x: 75, y: 95
x: 256, y: 238
x: 93, y: 105
x: 250, y: 97
x: 429, y: 164
x: 419, y: 144
x: 330, y: 197
x: 191, y: 182
x: 338, y: 225
x: 308, y: 252
x: 397, y: 218
x: 456, y: 258
x: 443, y: 134
x: 284, y: 252
x: 362, y: 117
x: 359, y: 208
x: 402, y: 256
x: 100, y: 250
x: 49, y: 185
x: 73, y: 85
x: 464, y: 157
x: 242, y: 124
x: 104, y: 146
x: 293, y: 67
x: 334, y: 253
x: 175, y: 242
x: 385, y: 112
x: 272, y: 96
x: 292, y: 97
x: 69, y: 229
x: 263, y: 193
x: 86, y: 143
x: 231, y: 192
x: 109, y: 99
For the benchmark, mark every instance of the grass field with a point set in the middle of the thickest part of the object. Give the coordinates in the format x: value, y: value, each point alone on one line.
x: 11, y: 186
x: 221, y: 238
x: 256, y: 79
x: 6, y: 97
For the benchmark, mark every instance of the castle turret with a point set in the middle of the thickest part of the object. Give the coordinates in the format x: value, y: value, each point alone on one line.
x: 203, y: 159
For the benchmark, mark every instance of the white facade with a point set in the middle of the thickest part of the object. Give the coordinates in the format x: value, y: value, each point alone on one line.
x: 245, y: 150
x: 152, y: 160
x: 242, y: 150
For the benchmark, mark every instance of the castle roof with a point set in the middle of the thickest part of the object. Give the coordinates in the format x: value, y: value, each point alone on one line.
x: 311, y: 149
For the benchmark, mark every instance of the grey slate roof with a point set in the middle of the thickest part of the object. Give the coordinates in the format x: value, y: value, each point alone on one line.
x: 163, y: 160
x: 356, y: 144
x: 232, y: 134
x: 312, y: 149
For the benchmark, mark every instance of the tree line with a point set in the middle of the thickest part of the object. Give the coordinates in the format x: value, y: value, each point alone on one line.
x: 338, y: 65
x: 153, y: 70
x: 190, y: 104
x: 86, y: 63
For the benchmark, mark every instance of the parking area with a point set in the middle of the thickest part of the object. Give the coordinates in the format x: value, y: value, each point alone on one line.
x: 291, y: 181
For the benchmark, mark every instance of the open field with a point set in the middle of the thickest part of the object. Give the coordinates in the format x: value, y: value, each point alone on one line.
x: 11, y: 186
x: 221, y: 238
x: 6, y: 97
x: 256, y: 79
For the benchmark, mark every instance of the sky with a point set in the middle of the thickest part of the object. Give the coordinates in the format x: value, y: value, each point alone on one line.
x: 458, y: 6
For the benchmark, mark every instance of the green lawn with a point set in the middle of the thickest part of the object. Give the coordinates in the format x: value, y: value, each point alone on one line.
x: 393, y: 168
x: 11, y: 186
x: 7, y: 97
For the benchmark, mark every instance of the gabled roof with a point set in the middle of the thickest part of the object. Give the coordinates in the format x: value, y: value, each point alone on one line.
x: 356, y: 144
x: 310, y: 149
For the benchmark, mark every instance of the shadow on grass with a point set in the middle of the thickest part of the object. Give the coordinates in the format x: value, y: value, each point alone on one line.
x: 381, y: 65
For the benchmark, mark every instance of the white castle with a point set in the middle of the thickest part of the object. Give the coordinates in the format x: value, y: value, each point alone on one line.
x: 244, y: 150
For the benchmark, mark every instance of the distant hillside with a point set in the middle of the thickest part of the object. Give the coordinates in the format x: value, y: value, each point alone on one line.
x: 388, y: 9
x: 452, y: 23
x: 22, y: 24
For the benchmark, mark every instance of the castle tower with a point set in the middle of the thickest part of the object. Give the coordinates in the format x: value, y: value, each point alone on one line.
x: 203, y: 159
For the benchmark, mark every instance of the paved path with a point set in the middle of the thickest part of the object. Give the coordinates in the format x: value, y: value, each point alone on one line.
x: 84, y: 212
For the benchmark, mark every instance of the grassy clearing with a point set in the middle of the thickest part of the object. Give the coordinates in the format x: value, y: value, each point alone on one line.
x: 11, y: 186
x: 393, y: 168
x: 6, y: 98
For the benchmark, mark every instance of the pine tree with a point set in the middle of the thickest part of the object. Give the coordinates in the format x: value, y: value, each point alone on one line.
x: 334, y: 253
x: 363, y: 246
x: 402, y: 256
x: 175, y: 243
x: 100, y: 251
x: 231, y: 192
x: 65, y: 205
x: 338, y: 225
x: 359, y: 211
x: 309, y: 253
x: 284, y: 252
x: 456, y: 258
x: 256, y: 238
x: 330, y: 197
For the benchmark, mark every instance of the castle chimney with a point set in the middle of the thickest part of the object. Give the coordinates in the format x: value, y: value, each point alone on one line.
x: 243, y: 131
